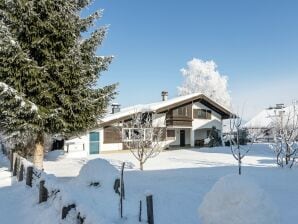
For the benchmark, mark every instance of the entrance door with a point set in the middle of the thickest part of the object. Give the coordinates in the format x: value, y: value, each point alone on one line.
x: 182, y: 137
x: 94, y: 142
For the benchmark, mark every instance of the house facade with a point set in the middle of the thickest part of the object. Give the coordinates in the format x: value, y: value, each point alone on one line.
x: 186, y: 120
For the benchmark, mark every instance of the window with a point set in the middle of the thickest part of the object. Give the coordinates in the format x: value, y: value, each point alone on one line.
x: 181, y: 111
x: 135, y: 134
x: 171, y: 133
x: 202, y: 114
x: 208, y: 115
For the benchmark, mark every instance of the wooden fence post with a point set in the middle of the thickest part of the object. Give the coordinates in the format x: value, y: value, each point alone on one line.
x: 29, y: 175
x: 150, y: 216
x: 43, y: 192
x: 140, y: 211
x: 15, y: 165
x: 21, y: 173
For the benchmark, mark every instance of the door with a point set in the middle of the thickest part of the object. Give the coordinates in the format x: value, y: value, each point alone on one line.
x: 182, y: 137
x: 94, y: 142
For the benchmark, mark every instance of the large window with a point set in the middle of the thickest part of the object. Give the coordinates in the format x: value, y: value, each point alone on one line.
x: 171, y: 133
x: 181, y: 112
x: 135, y: 134
x: 202, y: 114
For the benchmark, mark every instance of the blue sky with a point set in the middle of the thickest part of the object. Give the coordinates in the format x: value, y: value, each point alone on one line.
x: 254, y: 43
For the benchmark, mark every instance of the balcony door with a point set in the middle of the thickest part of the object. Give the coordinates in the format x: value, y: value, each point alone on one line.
x: 94, y: 142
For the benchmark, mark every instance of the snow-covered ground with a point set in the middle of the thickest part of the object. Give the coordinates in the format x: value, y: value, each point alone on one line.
x: 178, y: 180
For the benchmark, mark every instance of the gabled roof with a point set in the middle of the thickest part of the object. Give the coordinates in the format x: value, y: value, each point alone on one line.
x: 163, y: 106
x: 267, y: 117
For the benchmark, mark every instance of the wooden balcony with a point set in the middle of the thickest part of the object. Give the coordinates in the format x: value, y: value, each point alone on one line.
x: 179, y: 121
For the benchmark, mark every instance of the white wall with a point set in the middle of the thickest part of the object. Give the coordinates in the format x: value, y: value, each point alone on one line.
x: 200, y: 134
x: 112, y: 147
x: 176, y: 140
x: 76, y: 144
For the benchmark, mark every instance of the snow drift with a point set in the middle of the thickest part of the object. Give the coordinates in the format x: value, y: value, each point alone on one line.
x: 235, y: 199
x: 91, y: 191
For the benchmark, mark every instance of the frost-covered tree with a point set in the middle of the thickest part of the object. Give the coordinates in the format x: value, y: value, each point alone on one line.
x: 48, y: 71
x: 203, y: 76
x: 285, y: 132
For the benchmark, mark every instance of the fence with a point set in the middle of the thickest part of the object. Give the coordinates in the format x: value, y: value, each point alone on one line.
x: 20, y: 168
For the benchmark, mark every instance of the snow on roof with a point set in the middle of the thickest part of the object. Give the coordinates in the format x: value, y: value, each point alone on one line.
x: 151, y: 107
x: 265, y: 118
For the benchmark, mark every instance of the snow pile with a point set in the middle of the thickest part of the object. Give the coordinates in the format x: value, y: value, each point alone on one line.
x: 235, y: 199
x: 98, y: 170
x: 92, y: 191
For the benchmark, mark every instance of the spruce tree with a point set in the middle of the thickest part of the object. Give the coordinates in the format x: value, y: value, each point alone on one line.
x: 48, y: 71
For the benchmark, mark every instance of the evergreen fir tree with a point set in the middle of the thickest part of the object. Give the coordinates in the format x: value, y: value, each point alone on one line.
x: 48, y: 72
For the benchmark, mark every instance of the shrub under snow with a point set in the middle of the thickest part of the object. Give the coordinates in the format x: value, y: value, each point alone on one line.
x: 98, y: 170
x: 235, y: 199
x: 92, y: 192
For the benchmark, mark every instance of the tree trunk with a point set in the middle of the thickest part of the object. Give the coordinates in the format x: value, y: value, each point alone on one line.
x: 287, y: 155
x: 239, y: 160
x: 141, y: 165
x: 39, y: 151
x: 239, y: 166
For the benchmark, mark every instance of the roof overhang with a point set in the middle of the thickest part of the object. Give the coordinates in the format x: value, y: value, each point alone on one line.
x: 225, y: 113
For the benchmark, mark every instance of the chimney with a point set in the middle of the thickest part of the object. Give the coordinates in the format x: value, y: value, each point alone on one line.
x: 164, y: 95
x: 115, y: 108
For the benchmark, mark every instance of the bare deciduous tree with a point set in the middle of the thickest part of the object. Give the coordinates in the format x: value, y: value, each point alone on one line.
x: 285, y: 133
x: 142, y: 137
x: 238, y: 140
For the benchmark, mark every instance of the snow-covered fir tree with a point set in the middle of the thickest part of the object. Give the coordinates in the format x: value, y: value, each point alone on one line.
x: 203, y: 76
x: 48, y: 71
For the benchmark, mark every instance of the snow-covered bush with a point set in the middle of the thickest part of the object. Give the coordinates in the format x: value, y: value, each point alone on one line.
x: 98, y: 170
x: 236, y: 199
x: 96, y: 203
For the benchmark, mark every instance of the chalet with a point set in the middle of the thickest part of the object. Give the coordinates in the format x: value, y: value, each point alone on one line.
x: 262, y: 124
x: 187, y: 121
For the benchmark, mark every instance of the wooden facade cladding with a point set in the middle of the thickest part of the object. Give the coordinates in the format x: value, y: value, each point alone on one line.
x: 182, y: 123
x: 112, y: 135
x: 180, y: 116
